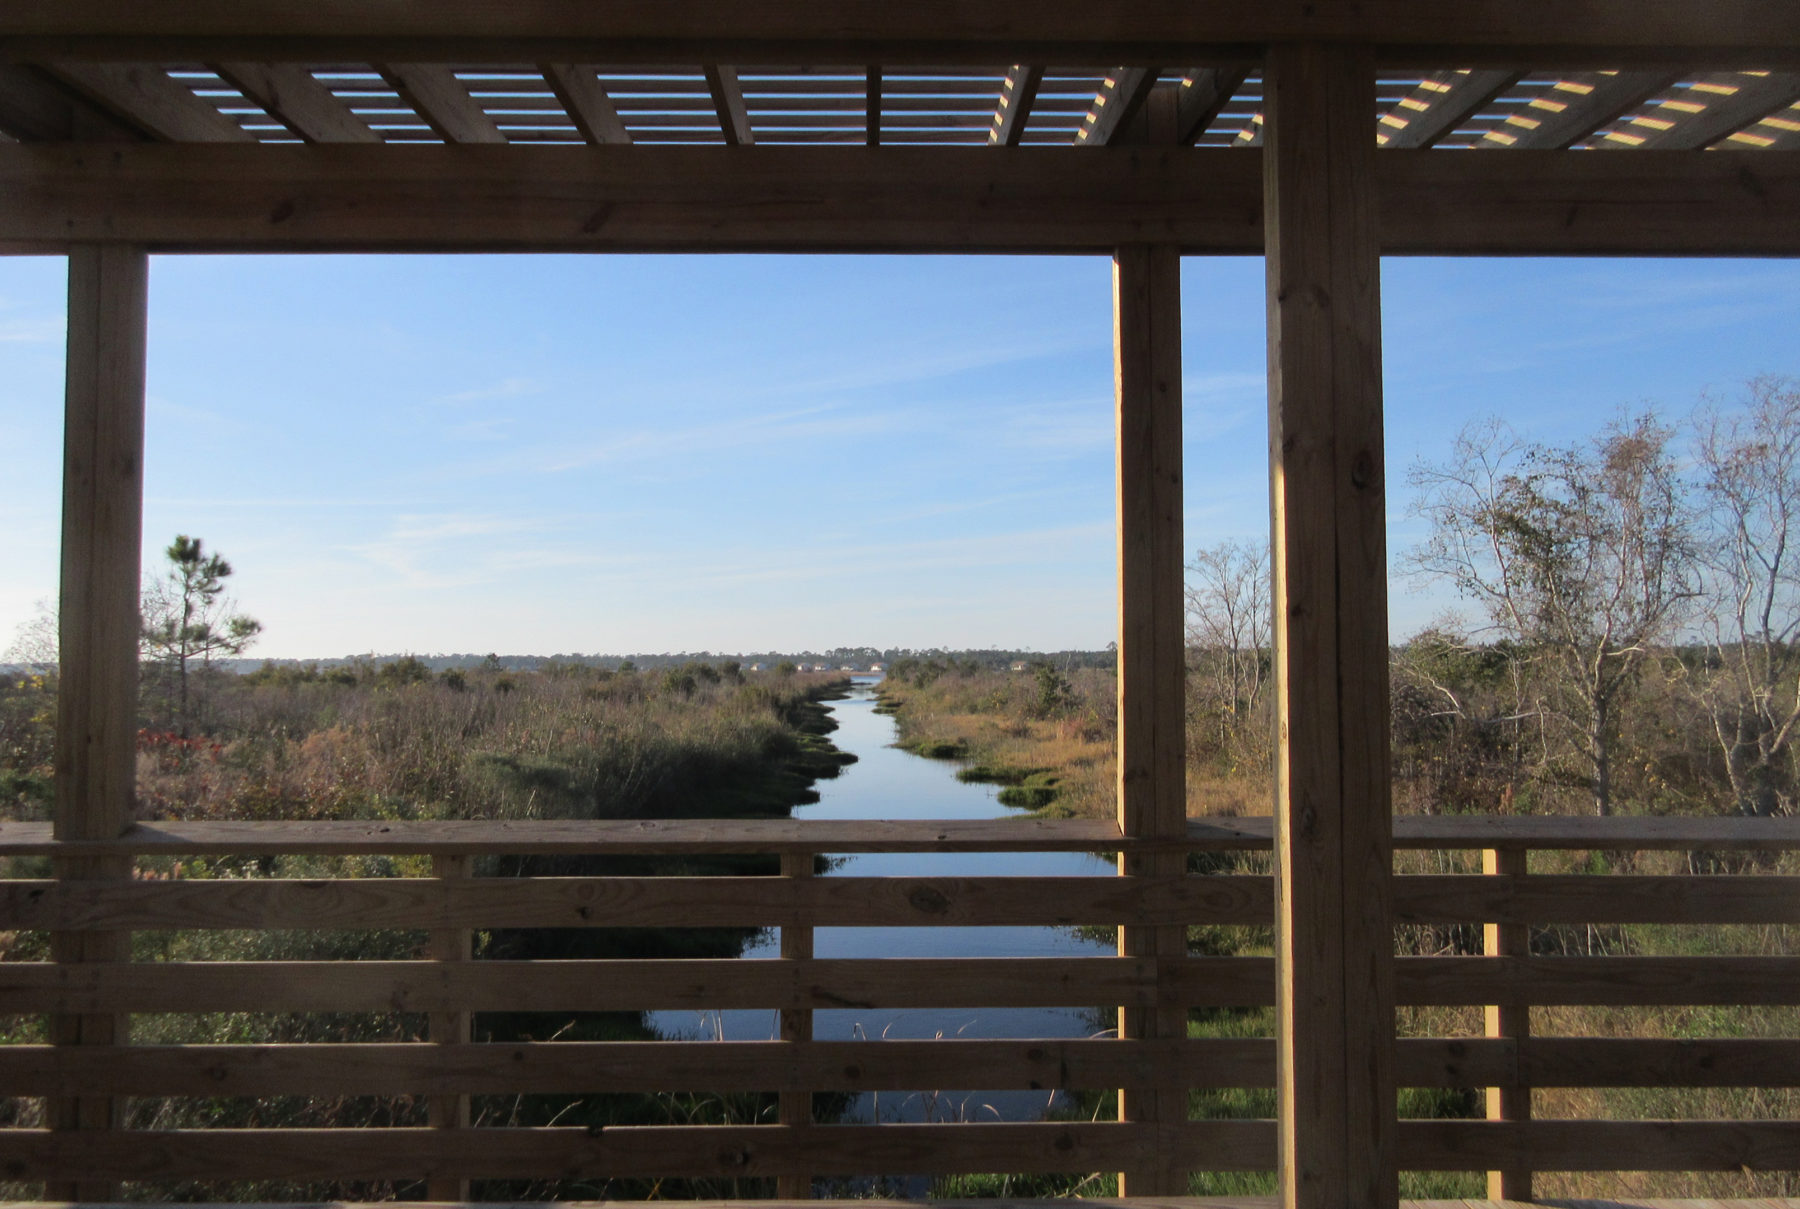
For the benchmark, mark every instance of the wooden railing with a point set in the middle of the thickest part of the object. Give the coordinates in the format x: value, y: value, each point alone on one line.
x: 444, y: 1067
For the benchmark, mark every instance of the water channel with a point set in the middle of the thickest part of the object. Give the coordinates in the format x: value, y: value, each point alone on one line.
x: 887, y: 783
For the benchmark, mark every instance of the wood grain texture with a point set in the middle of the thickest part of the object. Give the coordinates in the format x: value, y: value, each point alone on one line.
x: 291, y: 95
x: 1018, y: 93
x: 441, y: 100
x: 1602, y: 1145
x: 144, y: 95
x: 462, y: 903
x: 1206, y: 200
x: 580, y: 93
x: 1333, y: 845
x: 450, y: 1028
x: 803, y: 1066
x: 625, y: 985
x: 1597, y: 980
x: 1520, y: 900
x: 96, y: 708
x: 1441, y: 102
x: 1152, y: 719
x: 1508, y: 1099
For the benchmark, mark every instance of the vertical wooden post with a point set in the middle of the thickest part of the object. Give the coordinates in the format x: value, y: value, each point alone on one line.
x: 96, y: 704
x: 450, y: 1028
x: 1511, y: 1021
x: 1334, y: 834
x: 1152, y: 766
x: 794, y: 1107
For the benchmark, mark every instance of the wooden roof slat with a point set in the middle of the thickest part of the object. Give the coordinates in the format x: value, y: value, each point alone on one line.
x: 1118, y: 101
x: 1756, y: 97
x: 1607, y: 96
x: 437, y: 96
x: 1018, y: 94
x: 728, y: 100
x: 145, y: 96
x: 36, y: 108
x: 1442, y: 101
x: 872, y: 109
x: 587, y: 102
x: 1205, y: 91
x: 290, y: 94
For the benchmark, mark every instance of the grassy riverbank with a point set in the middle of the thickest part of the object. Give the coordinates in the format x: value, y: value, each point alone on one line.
x: 399, y: 742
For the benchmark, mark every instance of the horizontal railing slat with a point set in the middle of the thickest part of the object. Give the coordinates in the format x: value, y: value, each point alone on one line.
x: 627, y: 1151
x: 1557, y: 1145
x: 399, y: 1069
x: 1606, y: 899
x: 425, y: 903
x: 636, y: 902
x: 1596, y: 981
x: 467, y: 837
x: 612, y: 985
x: 625, y: 985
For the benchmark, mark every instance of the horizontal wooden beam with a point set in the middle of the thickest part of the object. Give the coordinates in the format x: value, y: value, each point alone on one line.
x: 665, y: 836
x: 1611, y: 33
x: 642, y: 902
x: 1207, y: 200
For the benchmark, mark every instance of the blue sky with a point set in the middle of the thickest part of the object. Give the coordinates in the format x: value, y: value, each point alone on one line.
x: 614, y: 454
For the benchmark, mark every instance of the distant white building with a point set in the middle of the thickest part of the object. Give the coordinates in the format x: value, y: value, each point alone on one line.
x: 756, y: 667
x: 878, y: 667
x: 1020, y: 666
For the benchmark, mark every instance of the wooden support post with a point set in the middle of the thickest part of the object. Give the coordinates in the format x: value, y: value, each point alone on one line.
x: 1334, y: 841
x: 1152, y: 766
x: 1511, y: 1021
x: 96, y: 705
x: 450, y: 1028
x: 795, y: 1108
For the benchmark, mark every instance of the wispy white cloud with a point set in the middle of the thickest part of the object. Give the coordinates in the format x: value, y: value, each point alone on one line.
x: 506, y: 388
x: 47, y: 330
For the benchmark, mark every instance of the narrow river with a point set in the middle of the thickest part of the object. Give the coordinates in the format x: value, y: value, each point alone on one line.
x: 887, y: 783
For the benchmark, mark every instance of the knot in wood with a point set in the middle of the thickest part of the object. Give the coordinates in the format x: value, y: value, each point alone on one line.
x: 1362, y: 469
x: 929, y: 899
x: 738, y: 1158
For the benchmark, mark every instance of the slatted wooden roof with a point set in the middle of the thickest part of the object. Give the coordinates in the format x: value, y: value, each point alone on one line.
x: 340, y: 123
x: 1020, y: 104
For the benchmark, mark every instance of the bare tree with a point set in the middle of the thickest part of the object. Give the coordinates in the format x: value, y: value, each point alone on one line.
x: 1582, y: 555
x: 1228, y: 632
x: 187, y: 617
x: 1749, y: 461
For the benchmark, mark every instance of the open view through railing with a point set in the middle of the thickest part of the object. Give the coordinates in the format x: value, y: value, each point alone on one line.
x: 1583, y: 917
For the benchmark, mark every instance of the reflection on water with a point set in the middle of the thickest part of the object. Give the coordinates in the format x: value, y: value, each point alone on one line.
x: 887, y: 783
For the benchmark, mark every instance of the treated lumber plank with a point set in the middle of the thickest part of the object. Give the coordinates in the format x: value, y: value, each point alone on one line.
x: 1122, y: 95
x: 452, y: 1028
x: 145, y: 96
x: 1515, y: 900
x: 626, y: 985
x: 580, y: 92
x: 96, y: 707
x: 1442, y: 100
x: 872, y: 106
x: 1597, y: 980
x: 291, y: 95
x: 1333, y: 840
x: 1508, y: 1099
x: 439, y: 98
x: 1018, y: 93
x: 620, y: 837
x: 619, y: 1151
x: 1587, y: 100
x: 1722, y: 32
x: 728, y: 103
x: 384, y: 1069
x: 637, y: 902
x: 617, y: 197
x: 1151, y: 656
x: 1204, y: 92
x: 1603, y: 1145
x: 1757, y: 96
x: 267, y: 198
x: 794, y: 1105
x: 34, y: 108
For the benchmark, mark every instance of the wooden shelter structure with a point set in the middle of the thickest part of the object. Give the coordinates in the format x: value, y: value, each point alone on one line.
x: 1319, y: 135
